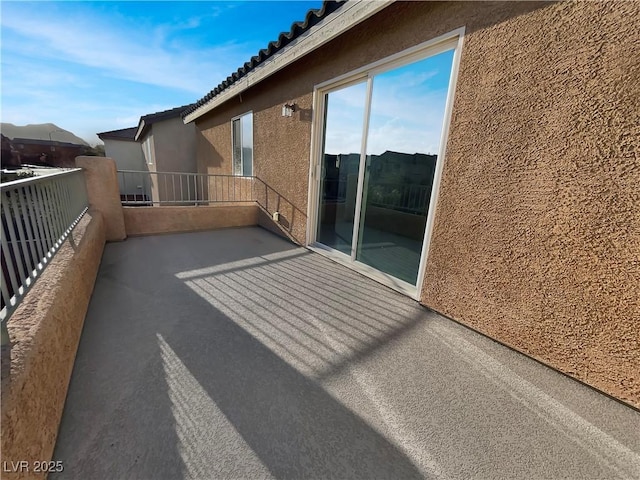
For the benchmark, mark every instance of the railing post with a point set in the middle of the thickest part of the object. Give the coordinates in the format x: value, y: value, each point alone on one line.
x: 103, y: 193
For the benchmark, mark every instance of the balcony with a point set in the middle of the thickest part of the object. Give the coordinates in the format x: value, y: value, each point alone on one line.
x: 234, y: 353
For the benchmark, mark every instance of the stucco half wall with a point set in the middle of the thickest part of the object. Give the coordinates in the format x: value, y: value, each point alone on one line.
x: 44, y: 332
x: 159, y: 219
x: 536, y: 239
x: 103, y: 193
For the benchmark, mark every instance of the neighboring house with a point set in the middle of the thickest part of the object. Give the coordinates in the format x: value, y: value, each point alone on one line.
x: 47, y: 152
x: 529, y: 232
x: 8, y: 159
x: 160, y: 143
x: 42, y: 144
x: 121, y: 145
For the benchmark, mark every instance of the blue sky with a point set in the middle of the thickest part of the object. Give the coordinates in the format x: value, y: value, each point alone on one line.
x: 91, y: 67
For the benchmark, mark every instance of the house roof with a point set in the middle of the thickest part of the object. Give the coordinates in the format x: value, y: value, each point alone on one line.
x: 298, y: 36
x: 147, y: 120
x: 126, y: 134
x: 37, y: 141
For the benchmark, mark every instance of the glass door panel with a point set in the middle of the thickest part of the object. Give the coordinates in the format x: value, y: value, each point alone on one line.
x: 403, y: 141
x: 342, y: 143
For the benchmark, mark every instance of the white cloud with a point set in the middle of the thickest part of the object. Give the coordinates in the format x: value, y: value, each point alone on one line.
x: 88, y: 73
x: 123, y: 53
x: 402, y: 123
x: 407, y: 110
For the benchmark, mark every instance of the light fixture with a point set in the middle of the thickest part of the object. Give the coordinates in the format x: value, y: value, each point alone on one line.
x: 288, y: 109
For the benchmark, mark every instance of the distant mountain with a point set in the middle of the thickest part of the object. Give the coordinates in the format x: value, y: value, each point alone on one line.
x: 42, y: 131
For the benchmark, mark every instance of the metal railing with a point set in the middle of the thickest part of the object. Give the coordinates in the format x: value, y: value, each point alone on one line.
x: 402, y: 197
x: 179, y: 188
x: 335, y: 190
x: 37, y: 215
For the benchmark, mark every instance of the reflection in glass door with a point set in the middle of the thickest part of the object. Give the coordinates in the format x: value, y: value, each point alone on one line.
x: 381, y: 141
x: 342, y: 142
x: 405, y: 125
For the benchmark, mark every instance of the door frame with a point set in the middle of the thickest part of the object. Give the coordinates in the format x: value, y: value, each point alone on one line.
x: 452, y: 40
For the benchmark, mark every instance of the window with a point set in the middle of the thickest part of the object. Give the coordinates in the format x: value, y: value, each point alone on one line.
x: 242, y: 144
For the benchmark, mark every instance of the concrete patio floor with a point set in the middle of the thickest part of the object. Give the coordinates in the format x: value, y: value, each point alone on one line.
x: 235, y: 354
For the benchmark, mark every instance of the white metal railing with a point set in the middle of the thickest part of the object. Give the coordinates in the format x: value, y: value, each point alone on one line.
x: 179, y: 188
x: 37, y: 215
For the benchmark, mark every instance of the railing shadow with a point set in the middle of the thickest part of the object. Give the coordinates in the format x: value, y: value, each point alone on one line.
x: 233, y: 354
x: 291, y: 221
x: 287, y: 419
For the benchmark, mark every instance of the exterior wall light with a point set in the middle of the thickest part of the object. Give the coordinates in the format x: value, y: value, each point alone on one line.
x: 288, y: 109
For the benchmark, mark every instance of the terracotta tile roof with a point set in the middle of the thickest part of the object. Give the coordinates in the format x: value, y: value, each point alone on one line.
x: 312, y: 18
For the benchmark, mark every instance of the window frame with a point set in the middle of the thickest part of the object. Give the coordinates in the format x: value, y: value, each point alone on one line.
x: 241, y: 172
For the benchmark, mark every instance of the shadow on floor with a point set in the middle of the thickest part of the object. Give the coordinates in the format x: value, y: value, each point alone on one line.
x: 235, y: 354
x: 166, y: 385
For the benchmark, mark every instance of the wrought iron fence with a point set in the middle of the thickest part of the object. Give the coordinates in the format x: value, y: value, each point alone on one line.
x: 37, y: 215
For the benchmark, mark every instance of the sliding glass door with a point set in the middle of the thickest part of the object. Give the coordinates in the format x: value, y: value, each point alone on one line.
x: 380, y: 145
x: 342, y: 142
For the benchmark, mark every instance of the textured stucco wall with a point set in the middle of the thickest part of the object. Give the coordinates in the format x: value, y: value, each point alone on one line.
x: 282, y: 144
x: 103, y: 193
x: 157, y: 220
x: 536, y: 236
x: 281, y: 147
x: 44, y: 332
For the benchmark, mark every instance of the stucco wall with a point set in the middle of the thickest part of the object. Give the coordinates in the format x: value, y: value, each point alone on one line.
x: 102, y: 192
x: 44, y: 332
x: 174, y: 144
x: 127, y: 154
x: 157, y: 220
x: 536, y: 235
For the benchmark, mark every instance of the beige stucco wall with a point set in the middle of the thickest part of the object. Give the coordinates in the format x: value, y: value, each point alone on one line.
x: 44, y: 332
x: 536, y: 237
x: 103, y: 193
x: 161, y: 219
x: 537, y: 234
